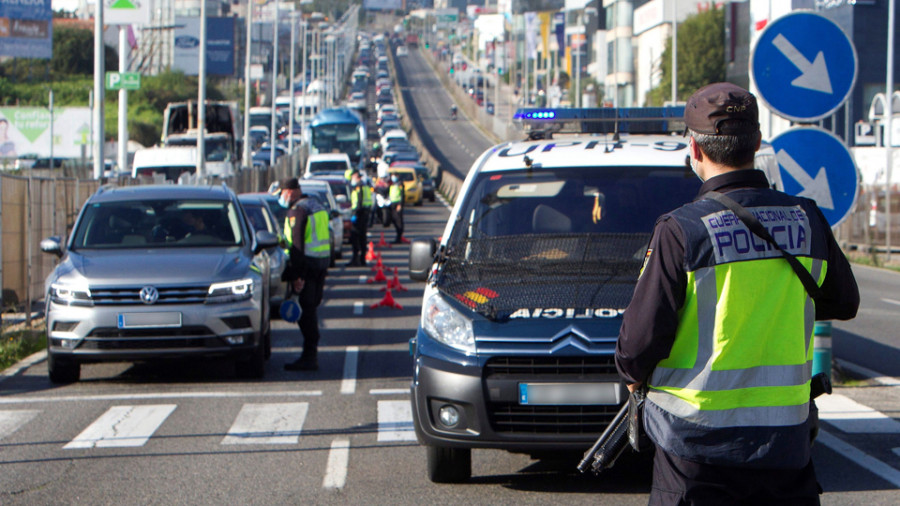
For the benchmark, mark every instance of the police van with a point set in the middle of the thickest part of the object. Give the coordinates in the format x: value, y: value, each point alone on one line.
x: 526, y: 289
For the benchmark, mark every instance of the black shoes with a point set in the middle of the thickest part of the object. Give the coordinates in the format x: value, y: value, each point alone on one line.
x: 303, y: 364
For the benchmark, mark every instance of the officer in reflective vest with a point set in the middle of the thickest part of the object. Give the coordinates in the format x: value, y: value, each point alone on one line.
x: 360, y: 204
x: 719, y: 330
x: 397, y: 195
x: 309, y: 245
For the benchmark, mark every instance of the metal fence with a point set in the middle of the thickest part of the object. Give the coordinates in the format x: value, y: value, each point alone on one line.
x: 36, y: 206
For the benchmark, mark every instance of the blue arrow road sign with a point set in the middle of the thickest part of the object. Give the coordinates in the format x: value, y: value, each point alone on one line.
x: 814, y: 163
x: 804, y: 66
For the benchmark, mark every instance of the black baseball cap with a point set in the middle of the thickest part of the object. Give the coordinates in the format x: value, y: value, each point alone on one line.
x: 722, y: 109
x: 289, y: 183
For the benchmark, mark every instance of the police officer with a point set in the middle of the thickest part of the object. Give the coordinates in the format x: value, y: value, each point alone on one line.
x: 360, y: 204
x: 397, y: 196
x: 719, y: 329
x: 308, y: 241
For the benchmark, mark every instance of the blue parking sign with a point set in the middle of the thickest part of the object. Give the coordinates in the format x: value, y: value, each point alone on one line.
x: 804, y: 66
x: 814, y: 163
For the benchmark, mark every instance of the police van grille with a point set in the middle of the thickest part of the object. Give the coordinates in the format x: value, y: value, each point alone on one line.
x: 167, y: 295
x: 581, y: 271
x: 511, y: 418
x: 558, y: 367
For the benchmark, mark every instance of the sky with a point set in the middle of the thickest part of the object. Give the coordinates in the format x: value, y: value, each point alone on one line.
x: 68, y: 5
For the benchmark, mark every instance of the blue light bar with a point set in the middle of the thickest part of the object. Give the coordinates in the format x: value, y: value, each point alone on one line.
x: 604, y: 119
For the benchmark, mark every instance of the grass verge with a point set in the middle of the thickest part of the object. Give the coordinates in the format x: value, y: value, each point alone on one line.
x: 867, y: 259
x: 18, y: 344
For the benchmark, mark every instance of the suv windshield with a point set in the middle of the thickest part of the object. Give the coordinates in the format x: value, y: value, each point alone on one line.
x: 578, y: 235
x: 158, y: 223
x: 328, y: 166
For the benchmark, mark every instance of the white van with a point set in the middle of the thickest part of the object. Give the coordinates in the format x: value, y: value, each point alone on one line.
x: 326, y: 163
x: 169, y: 163
x: 218, y: 151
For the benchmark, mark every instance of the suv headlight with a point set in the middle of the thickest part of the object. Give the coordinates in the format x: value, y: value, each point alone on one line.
x: 71, y: 295
x: 447, y: 325
x: 230, y: 291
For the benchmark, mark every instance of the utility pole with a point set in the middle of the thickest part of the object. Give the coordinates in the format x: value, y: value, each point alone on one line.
x: 888, y: 126
x: 293, y: 109
x: 245, y: 152
x: 674, y: 53
x: 274, y: 90
x: 201, y: 99
x: 123, y: 100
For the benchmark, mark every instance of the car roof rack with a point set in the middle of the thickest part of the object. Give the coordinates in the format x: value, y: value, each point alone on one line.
x: 543, y: 123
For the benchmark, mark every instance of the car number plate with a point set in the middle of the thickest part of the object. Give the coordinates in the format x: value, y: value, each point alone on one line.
x: 569, y: 393
x: 170, y: 319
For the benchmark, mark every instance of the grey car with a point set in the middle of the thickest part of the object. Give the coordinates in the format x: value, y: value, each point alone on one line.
x: 262, y: 218
x: 153, y: 272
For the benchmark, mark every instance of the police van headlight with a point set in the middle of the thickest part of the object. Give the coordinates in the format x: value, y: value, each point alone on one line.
x: 447, y: 325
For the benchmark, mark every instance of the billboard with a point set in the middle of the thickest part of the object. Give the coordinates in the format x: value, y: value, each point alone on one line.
x: 26, y: 130
x: 26, y: 28
x: 446, y: 18
x: 219, y: 46
x: 382, y: 5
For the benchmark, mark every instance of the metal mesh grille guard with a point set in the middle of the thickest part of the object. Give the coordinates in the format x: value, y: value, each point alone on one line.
x: 497, y: 276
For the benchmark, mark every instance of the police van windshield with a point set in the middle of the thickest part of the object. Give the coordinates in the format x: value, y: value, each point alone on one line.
x: 578, y: 235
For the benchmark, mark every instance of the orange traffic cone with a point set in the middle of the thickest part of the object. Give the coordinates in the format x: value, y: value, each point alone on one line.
x: 370, y: 254
x: 382, y: 243
x: 387, y: 301
x: 379, y: 277
x: 379, y: 266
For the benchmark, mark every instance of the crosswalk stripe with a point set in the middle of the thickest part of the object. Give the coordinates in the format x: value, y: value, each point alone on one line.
x: 395, y: 421
x: 348, y: 383
x: 336, y: 468
x: 123, y: 426
x: 10, y: 421
x: 279, y: 423
x: 852, y: 417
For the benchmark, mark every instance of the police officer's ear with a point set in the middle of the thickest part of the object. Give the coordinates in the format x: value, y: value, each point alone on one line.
x: 695, y: 152
x: 758, y: 141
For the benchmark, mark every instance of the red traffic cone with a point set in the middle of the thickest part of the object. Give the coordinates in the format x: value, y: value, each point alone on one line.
x: 396, y: 282
x: 379, y: 277
x: 382, y: 243
x: 370, y: 254
x: 387, y: 301
x: 379, y: 266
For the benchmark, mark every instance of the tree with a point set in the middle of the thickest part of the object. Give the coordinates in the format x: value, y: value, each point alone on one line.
x: 701, y: 56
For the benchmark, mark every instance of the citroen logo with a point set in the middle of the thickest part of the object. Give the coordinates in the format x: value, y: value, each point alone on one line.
x: 149, y: 295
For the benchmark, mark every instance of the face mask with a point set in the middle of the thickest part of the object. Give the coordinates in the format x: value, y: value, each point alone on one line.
x: 394, y: 179
x: 282, y: 202
x: 354, y: 184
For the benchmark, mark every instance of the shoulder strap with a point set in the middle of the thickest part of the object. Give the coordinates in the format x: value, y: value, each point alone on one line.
x: 812, y: 288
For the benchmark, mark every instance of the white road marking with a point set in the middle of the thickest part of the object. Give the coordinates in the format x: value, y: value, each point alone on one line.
x: 854, y: 418
x: 279, y: 423
x: 10, y: 421
x: 122, y: 426
x: 395, y: 421
x: 348, y: 383
x: 362, y: 279
x: 864, y: 460
x: 336, y: 469
x: 892, y: 301
x: 896, y: 451
x: 389, y: 391
x: 161, y: 395
x: 869, y: 373
x: 358, y: 308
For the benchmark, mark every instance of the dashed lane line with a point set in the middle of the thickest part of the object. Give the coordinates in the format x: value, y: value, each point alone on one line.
x: 892, y: 301
x: 351, y: 358
x: 122, y: 426
x: 389, y: 391
x: 268, y: 424
x: 336, y: 468
x: 854, y: 418
x: 860, y: 457
x: 11, y: 420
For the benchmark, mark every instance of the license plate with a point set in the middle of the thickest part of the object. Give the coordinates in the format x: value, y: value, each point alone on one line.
x: 150, y: 320
x: 569, y: 393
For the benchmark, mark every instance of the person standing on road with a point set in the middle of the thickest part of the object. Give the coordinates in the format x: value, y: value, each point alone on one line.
x: 360, y: 202
x: 719, y: 330
x: 308, y: 241
x: 397, y: 195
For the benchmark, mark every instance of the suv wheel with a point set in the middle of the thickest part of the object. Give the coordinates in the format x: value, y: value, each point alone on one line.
x: 253, y: 367
x: 449, y: 465
x: 62, y: 371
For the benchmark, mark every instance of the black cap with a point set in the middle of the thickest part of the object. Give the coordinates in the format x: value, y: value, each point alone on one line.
x: 289, y: 183
x: 722, y: 109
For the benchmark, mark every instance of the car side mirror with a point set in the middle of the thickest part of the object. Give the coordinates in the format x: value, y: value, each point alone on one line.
x: 340, y: 199
x: 52, y: 245
x: 421, y: 258
x: 265, y: 240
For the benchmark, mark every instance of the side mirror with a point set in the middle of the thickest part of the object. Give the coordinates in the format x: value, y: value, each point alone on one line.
x: 421, y: 258
x: 265, y: 240
x: 340, y: 199
x: 52, y: 245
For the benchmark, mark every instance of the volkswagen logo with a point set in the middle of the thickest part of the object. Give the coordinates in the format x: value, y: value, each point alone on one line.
x: 149, y: 295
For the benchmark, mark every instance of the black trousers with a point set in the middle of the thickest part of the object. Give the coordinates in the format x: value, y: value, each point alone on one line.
x: 309, y: 299
x: 397, y: 220
x: 358, y: 236
x: 681, y: 482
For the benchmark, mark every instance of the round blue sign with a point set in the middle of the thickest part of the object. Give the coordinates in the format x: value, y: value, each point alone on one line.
x: 814, y: 163
x: 804, y: 66
x: 290, y: 311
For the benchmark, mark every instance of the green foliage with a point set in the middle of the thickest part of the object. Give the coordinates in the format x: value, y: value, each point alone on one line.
x: 701, y: 57
x: 73, y: 53
x: 15, y: 346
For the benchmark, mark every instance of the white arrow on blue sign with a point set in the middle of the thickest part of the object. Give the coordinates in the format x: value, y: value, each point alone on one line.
x: 813, y: 163
x: 804, y: 66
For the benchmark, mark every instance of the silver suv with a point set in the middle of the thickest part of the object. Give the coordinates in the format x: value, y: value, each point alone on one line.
x: 158, y: 272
